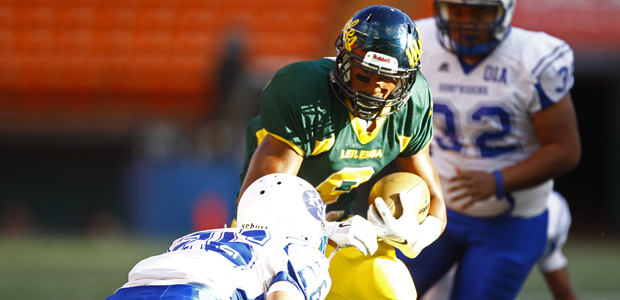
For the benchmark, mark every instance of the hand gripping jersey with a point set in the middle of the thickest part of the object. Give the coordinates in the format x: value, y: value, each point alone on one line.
x: 237, y: 264
x: 300, y: 108
x: 482, y: 115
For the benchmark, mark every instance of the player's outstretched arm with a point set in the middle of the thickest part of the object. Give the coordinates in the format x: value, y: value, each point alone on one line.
x: 271, y: 156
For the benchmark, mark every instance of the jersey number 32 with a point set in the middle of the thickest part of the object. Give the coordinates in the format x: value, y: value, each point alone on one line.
x: 489, y: 142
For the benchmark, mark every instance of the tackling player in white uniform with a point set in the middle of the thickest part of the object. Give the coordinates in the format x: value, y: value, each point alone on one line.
x: 504, y: 127
x: 553, y: 263
x: 273, y: 254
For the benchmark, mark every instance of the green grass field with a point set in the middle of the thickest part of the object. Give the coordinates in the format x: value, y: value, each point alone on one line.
x: 81, y: 268
x: 594, y: 267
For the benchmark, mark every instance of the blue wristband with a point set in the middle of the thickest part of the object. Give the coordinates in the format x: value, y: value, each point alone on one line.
x: 499, y: 184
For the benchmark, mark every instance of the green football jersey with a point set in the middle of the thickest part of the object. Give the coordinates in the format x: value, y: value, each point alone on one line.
x: 300, y: 108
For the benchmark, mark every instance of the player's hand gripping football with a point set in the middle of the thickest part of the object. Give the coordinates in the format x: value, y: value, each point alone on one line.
x: 405, y: 233
x: 354, y: 232
x: 402, y: 232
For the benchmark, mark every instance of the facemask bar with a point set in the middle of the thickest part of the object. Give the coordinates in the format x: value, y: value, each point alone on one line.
x: 321, y: 242
x: 465, y: 29
x: 323, y: 246
x: 362, y: 105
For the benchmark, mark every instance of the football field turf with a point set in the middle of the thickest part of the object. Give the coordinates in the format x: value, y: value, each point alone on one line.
x: 67, y: 267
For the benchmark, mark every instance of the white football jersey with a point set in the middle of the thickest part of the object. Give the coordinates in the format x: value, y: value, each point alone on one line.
x: 237, y: 263
x: 482, y: 115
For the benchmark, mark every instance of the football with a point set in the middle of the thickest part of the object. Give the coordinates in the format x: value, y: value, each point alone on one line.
x: 389, y: 187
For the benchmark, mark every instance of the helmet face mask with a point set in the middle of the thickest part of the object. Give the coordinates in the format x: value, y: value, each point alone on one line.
x: 473, y: 28
x: 286, y: 204
x: 379, y: 42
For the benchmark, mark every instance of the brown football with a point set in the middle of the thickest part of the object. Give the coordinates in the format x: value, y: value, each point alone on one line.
x: 389, y: 187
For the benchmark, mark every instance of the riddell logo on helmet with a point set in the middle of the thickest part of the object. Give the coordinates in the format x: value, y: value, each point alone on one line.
x: 253, y: 226
x: 380, y: 61
x: 381, y: 58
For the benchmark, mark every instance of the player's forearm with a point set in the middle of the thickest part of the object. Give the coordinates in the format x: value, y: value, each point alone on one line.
x: 437, y: 207
x: 550, y: 161
x: 272, y: 156
x: 284, y: 290
x: 560, y: 148
x: 283, y: 295
x: 422, y: 165
x: 438, y: 210
x: 264, y: 166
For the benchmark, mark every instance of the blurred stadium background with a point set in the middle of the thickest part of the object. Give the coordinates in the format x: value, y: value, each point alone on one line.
x: 122, y: 126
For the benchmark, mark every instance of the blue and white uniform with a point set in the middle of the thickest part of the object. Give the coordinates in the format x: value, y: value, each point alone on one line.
x: 552, y: 260
x: 482, y: 116
x: 482, y: 121
x: 233, y: 263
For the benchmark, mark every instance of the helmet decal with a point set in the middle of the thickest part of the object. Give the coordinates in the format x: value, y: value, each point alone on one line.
x: 414, y: 51
x: 380, y: 40
x: 380, y: 61
x: 349, y: 36
x: 314, y: 204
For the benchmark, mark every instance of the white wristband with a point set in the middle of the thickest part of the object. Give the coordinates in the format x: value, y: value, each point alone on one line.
x: 430, y: 230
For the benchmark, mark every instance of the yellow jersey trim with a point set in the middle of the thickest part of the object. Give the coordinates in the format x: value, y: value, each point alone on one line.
x: 323, y: 146
x: 361, y: 132
x: 261, y: 134
x: 403, y: 141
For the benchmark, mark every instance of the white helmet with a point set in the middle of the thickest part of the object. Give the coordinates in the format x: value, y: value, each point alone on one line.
x: 283, y: 203
x: 499, y: 27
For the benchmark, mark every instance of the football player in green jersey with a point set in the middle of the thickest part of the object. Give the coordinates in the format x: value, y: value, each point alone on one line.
x: 338, y: 122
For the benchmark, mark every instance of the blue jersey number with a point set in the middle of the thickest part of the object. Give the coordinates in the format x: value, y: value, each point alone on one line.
x: 564, y: 74
x: 450, y: 140
x: 489, y: 143
x: 235, y: 246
